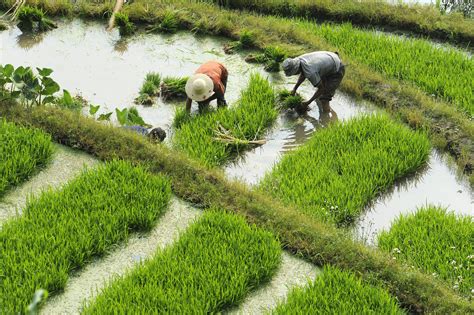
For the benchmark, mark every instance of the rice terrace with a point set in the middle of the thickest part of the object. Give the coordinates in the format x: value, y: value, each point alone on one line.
x: 237, y: 157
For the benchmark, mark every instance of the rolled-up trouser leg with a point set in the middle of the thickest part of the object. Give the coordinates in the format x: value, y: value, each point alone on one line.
x: 331, y: 83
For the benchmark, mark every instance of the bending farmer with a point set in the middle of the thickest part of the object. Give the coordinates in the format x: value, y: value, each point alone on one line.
x: 323, y: 69
x: 208, y: 83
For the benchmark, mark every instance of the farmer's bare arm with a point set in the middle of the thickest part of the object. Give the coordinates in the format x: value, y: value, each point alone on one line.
x: 298, y: 83
x: 316, y: 95
x: 188, y: 104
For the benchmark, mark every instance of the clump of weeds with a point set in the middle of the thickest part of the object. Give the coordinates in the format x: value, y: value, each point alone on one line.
x: 125, y: 26
x: 246, y: 41
x: 173, y: 89
x: 169, y: 23
x: 31, y: 18
x: 150, y: 89
x: 436, y: 241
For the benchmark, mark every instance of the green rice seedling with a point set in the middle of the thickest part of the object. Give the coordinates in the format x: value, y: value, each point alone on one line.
x: 173, y: 89
x: 149, y: 89
x: 291, y: 102
x: 436, y: 241
x: 61, y: 231
x: 344, y: 167
x: 22, y: 152
x: 211, y: 267
x: 338, y: 292
x: 215, y: 137
x: 181, y: 117
x: 30, y: 16
x: 272, y: 57
x: 246, y: 41
x: 169, y: 23
x: 125, y: 26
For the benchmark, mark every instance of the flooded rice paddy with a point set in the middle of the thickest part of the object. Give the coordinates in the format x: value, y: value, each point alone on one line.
x: 109, y: 71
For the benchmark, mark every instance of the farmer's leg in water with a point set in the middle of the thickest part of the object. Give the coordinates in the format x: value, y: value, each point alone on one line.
x: 331, y: 83
x: 207, y: 84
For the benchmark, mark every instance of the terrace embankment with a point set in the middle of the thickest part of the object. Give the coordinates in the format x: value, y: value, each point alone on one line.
x: 66, y: 163
x: 317, y: 242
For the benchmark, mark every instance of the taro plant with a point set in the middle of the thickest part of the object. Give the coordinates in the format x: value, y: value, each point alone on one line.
x: 32, y: 17
x: 69, y: 102
x: 130, y: 117
x: 26, y: 86
x: 173, y: 88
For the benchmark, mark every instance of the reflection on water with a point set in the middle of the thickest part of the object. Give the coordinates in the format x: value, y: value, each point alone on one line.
x: 29, y: 40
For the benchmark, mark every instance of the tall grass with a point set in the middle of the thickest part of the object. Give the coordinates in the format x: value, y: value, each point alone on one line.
x: 61, y: 231
x: 213, y: 266
x: 342, y: 168
x: 247, y: 121
x: 22, y: 152
x: 338, y: 292
x: 446, y: 73
x: 436, y: 241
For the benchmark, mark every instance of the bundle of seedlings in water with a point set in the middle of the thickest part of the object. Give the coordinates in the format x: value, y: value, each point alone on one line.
x: 173, y: 89
x: 246, y: 41
x: 125, y: 26
x: 149, y: 89
x: 168, y: 24
x: 3, y: 26
x: 225, y: 136
x: 31, y: 17
x: 287, y: 101
x: 271, y: 57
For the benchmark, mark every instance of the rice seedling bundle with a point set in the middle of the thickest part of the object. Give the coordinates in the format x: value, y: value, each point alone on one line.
x: 149, y: 89
x: 338, y: 292
x: 436, y: 241
x: 22, y: 152
x: 125, y: 26
x: 211, y: 267
x: 61, y: 231
x: 345, y: 166
x: 443, y: 72
x: 174, y: 88
x: 246, y: 122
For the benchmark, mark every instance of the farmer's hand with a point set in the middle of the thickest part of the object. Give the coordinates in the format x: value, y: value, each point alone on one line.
x: 293, y: 93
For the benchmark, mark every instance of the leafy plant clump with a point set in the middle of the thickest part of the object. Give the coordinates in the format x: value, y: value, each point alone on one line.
x: 130, y: 117
x: 169, y: 23
x: 31, y: 17
x: 215, y: 137
x: 211, y: 267
x: 22, y: 152
x: 150, y: 89
x: 436, y: 241
x: 271, y: 57
x: 338, y: 292
x: 173, y: 89
x: 345, y: 166
x: 60, y: 231
x: 291, y: 102
x: 125, y: 26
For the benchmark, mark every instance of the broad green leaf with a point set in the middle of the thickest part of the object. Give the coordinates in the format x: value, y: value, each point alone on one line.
x: 105, y: 116
x: 67, y: 98
x: 93, y: 109
x: 44, y: 72
x: 122, y: 116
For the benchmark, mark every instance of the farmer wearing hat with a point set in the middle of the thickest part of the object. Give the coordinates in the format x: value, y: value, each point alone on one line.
x: 208, y: 83
x: 324, y: 69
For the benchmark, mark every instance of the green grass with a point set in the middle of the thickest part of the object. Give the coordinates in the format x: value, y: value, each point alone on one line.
x: 338, y: 292
x: 248, y: 120
x: 61, y: 231
x: 436, y: 241
x: 344, y: 167
x: 125, y: 26
x: 22, y: 152
x: 446, y: 73
x: 211, y: 267
x: 299, y: 233
x: 173, y: 88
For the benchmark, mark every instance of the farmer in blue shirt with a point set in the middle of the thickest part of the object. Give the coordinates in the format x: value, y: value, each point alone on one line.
x: 156, y: 134
x: 324, y: 69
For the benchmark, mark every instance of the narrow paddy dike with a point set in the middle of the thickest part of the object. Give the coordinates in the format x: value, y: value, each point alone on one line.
x: 86, y: 283
x: 66, y: 163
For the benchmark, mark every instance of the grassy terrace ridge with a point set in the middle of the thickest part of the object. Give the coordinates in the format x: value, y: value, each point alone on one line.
x: 22, y: 152
x: 338, y: 292
x: 299, y: 233
x: 213, y: 265
x: 342, y: 168
x: 449, y: 130
x: 60, y: 231
x: 418, y: 19
x: 254, y: 113
x: 436, y: 241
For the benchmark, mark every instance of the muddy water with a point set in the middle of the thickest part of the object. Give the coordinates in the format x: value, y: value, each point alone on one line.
x: 65, y: 165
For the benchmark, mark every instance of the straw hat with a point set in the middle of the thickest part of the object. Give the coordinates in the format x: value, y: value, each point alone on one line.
x: 199, y: 87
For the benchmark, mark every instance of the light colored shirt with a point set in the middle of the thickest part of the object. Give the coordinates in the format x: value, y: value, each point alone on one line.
x: 317, y: 65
